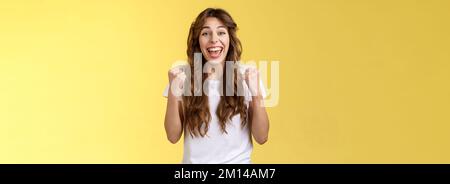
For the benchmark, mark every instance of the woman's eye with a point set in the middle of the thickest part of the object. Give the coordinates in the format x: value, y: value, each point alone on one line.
x: 222, y: 33
x: 204, y: 34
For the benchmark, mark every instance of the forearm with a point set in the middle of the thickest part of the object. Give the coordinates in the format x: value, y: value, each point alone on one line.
x: 172, y: 122
x: 260, y: 120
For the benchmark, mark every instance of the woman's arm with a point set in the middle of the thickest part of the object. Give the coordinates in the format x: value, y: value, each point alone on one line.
x: 172, y: 122
x: 260, y: 120
x: 257, y: 112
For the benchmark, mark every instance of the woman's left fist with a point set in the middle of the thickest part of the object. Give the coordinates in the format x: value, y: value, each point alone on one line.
x: 251, y: 77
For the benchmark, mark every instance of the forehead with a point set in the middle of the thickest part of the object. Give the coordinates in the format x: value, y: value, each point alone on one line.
x: 213, y: 23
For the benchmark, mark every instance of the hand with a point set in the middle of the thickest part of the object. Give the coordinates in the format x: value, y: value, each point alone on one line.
x: 251, y: 77
x: 176, y: 80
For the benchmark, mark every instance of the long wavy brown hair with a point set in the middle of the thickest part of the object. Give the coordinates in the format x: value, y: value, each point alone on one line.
x: 194, y: 110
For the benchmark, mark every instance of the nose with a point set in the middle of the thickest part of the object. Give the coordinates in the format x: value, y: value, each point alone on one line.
x: 214, y: 38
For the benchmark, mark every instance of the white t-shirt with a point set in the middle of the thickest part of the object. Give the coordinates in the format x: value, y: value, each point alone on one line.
x: 217, y: 147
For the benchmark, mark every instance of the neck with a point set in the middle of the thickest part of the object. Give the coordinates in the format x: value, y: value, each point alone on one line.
x: 215, y: 70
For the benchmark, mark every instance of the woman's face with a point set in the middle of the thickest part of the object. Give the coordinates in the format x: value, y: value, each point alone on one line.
x: 214, y: 40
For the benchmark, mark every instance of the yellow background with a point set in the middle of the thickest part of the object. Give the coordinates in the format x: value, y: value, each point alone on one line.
x: 360, y: 81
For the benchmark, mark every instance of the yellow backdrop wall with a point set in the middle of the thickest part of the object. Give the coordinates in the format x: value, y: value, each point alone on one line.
x: 360, y: 81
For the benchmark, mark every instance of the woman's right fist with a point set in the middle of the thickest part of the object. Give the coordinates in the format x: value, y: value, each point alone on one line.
x: 177, y: 76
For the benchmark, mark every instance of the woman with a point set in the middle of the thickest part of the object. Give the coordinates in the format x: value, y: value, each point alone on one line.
x: 218, y: 128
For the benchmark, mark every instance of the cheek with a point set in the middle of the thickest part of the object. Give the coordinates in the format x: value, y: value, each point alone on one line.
x: 227, y: 43
x: 202, y: 42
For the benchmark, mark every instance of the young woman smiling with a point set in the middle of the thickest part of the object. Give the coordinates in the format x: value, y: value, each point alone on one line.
x: 217, y: 128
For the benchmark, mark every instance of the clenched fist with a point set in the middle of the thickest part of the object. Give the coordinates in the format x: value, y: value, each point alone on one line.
x: 177, y: 76
x: 251, y: 77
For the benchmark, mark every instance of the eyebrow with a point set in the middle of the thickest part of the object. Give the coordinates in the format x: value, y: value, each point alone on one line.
x: 207, y: 27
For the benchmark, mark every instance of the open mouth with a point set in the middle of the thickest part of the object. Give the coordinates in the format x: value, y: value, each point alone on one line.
x: 215, y: 52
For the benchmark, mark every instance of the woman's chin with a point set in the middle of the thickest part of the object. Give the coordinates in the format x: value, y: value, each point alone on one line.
x: 215, y: 61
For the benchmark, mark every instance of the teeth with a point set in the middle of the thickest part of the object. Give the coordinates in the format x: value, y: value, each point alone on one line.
x: 214, y: 49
